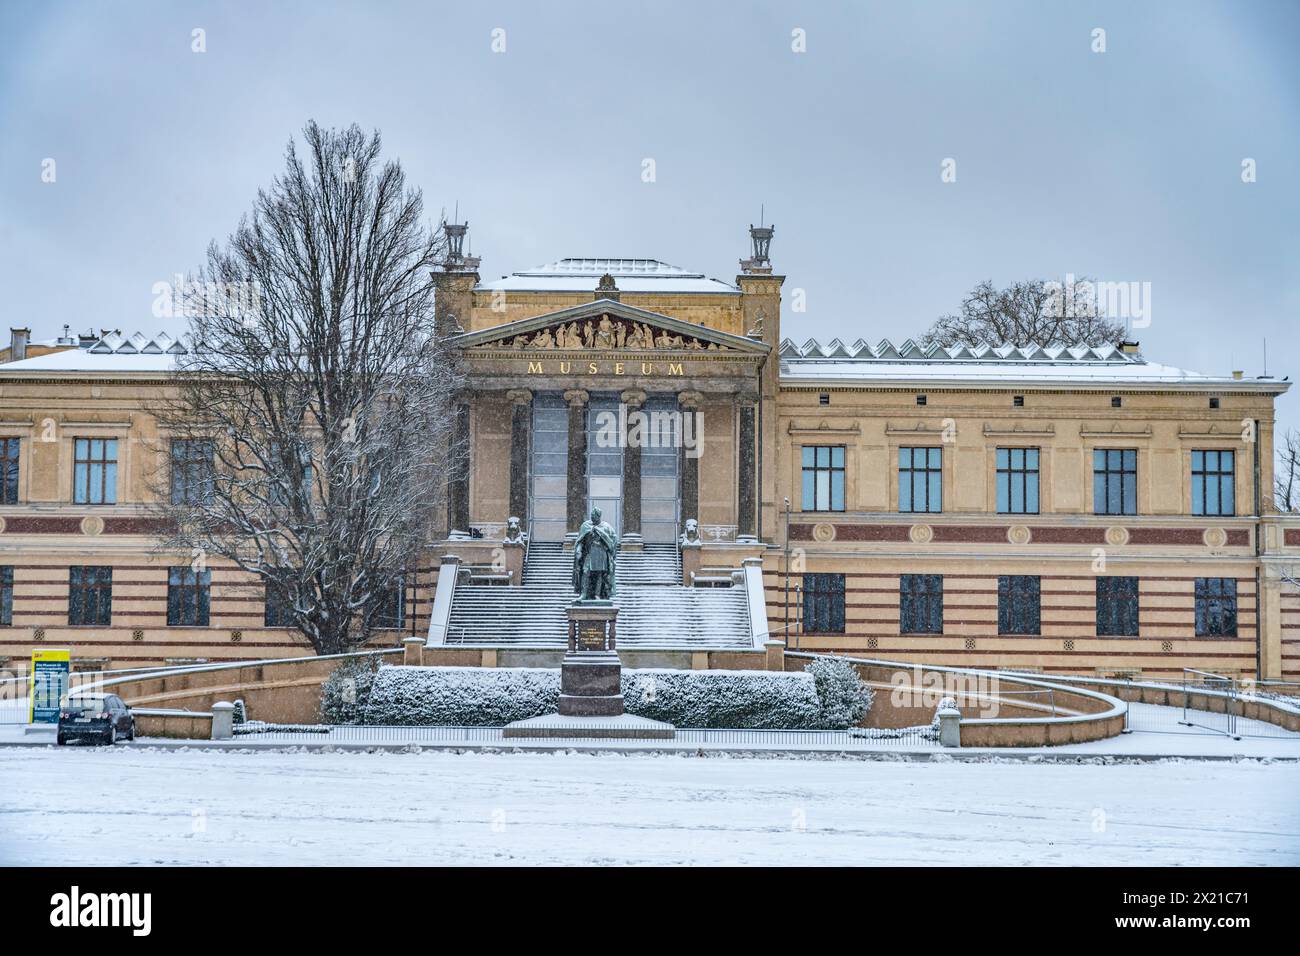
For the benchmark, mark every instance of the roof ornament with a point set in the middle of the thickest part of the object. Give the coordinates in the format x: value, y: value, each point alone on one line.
x: 607, y: 288
x: 760, y: 239
x: 457, y: 260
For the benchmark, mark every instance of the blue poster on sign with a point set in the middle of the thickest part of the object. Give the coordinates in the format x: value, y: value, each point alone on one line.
x: 49, y: 682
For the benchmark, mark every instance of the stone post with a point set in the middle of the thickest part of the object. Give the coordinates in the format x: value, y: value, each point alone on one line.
x: 631, y: 540
x: 223, y: 720
x: 775, y: 651
x: 521, y: 429
x: 413, y: 651
x: 575, y: 511
x: 513, y: 555
x: 949, y: 718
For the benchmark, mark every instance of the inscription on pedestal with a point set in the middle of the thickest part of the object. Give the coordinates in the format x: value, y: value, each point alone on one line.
x: 591, y: 635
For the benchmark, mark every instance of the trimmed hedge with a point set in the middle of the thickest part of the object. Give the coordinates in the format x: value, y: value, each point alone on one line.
x: 826, y: 696
x: 460, y: 696
x: 760, y: 700
x: 344, y: 693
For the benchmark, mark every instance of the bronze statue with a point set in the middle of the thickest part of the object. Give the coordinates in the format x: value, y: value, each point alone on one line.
x: 594, y: 555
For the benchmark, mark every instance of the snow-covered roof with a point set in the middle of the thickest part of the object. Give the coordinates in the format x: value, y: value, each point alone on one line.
x: 630, y: 275
x: 885, y: 363
x: 811, y: 364
x: 111, y: 353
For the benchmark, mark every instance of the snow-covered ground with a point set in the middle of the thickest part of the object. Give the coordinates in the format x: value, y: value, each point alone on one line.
x: 138, y: 806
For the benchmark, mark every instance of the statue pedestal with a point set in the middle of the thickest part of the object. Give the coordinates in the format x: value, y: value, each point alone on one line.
x: 590, y: 672
x: 591, y: 695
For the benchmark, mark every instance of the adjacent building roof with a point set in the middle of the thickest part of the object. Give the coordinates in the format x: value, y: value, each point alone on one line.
x: 630, y: 275
x: 836, y: 363
x: 112, y: 353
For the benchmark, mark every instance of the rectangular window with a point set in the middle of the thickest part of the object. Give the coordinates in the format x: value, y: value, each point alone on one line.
x: 920, y: 604
x: 90, y: 596
x: 1019, y: 604
x: 1216, y: 607
x: 1213, y: 483
x: 392, y: 608
x: 275, y: 611
x: 6, y: 595
x: 920, y: 479
x: 1117, y: 607
x: 1017, y: 481
x: 1114, y: 481
x: 823, y: 477
x: 94, y: 475
x: 191, y: 472
x: 823, y: 603
x: 9, y: 448
x: 285, y: 471
x: 188, y: 597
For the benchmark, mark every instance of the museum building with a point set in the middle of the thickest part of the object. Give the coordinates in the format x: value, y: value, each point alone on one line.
x: 1066, y: 509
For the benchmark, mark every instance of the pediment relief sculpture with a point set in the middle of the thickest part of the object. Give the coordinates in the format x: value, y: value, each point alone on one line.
x: 607, y: 333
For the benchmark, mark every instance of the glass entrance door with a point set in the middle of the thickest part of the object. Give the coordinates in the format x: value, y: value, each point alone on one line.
x: 548, y: 468
x: 660, y: 454
x: 605, y: 459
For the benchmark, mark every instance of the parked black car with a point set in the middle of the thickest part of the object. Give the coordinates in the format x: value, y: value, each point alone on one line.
x: 102, y: 717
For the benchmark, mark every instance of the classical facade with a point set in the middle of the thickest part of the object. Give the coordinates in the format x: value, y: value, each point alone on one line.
x: 1070, y: 509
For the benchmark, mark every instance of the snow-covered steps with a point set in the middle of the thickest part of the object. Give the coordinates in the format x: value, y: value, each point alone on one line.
x: 655, y: 610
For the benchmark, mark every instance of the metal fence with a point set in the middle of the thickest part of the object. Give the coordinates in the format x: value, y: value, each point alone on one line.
x: 1229, y: 720
x: 1225, y: 688
x: 855, y: 738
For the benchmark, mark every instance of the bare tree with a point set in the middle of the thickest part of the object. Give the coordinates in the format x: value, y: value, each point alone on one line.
x: 311, y: 417
x: 1035, y: 312
x: 1286, y: 476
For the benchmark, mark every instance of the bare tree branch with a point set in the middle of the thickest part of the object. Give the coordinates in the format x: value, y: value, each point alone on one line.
x: 1036, y: 312
x: 320, y: 389
x: 1286, y: 476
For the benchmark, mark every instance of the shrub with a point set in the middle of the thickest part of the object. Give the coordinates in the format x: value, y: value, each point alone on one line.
x: 344, y: 693
x: 844, y: 696
x: 491, y: 697
x: 758, y: 700
x: 461, y: 696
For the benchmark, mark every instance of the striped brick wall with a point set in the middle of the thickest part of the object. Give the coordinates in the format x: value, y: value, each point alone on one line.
x: 1165, y: 644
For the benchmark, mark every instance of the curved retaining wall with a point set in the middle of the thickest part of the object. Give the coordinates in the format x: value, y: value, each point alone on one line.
x: 999, y: 710
x: 277, y: 691
x: 1171, y: 695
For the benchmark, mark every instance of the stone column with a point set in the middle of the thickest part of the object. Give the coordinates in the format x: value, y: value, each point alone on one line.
x: 632, y: 400
x: 458, y: 480
x: 747, y: 499
x: 521, y: 428
x: 689, y: 403
x: 577, y: 480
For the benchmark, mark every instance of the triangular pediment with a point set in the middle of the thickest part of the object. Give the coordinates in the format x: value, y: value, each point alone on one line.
x: 606, y: 325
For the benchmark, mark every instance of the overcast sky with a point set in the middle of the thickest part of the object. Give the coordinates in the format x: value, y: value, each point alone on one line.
x: 1124, y: 165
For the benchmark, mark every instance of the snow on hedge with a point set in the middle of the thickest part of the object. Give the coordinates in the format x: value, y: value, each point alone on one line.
x: 491, y: 697
x: 768, y: 700
x: 461, y: 696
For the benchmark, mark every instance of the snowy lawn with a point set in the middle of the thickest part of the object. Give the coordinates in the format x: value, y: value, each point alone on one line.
x: 209, y: 807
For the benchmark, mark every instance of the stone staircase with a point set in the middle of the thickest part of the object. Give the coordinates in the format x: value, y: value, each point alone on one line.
x: 655, y: 610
